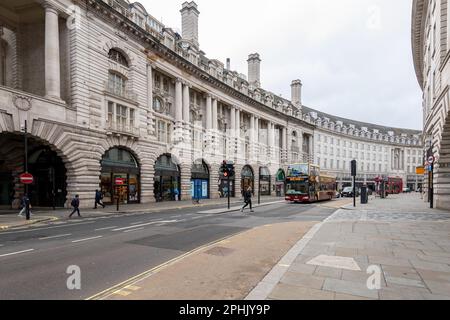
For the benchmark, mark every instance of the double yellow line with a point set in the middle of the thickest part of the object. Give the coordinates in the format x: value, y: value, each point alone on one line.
x: 132, y: 281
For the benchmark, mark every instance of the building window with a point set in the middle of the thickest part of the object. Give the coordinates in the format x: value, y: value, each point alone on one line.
x: 163, y: 131
x: 157, y: 105
x: 110, y: 112
x: 118, y: 57
x: 116, y: 84
x: 120, y: 117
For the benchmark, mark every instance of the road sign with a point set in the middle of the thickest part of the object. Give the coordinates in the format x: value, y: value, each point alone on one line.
x: 120, y: 181
x: 26, y: 178
x: 420, y: 170
x: 431, y: 160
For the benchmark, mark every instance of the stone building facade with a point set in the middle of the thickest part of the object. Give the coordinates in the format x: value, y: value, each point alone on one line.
x: 109, y: 94
x: 430, y: 46
x: 380, y: 151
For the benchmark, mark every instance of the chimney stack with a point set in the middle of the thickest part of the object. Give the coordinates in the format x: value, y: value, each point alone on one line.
x: 296, y: 93
x: 189, y: 22
x: 228, y: 63
x: 254, y: 69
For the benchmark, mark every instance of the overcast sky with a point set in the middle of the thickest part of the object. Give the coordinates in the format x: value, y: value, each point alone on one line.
x: 353, y: 56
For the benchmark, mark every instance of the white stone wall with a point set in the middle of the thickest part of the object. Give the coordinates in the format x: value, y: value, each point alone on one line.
x: 431, y: 36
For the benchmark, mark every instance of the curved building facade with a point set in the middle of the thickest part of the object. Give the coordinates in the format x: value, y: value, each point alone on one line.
x: 109, y: 94
x: 431, y: 52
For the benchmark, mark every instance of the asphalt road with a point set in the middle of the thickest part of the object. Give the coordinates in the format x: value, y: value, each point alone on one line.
x: 109, y: 250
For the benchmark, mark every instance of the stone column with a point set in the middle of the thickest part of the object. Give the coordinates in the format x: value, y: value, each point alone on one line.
x: 252, y: 129
x: 214, y: 115
x: 233, y: 122
x: 257, y: 126
x: 208, y: 113
x: 150, y: 118
x: 52, y: 60
x: 186, y: 104
x: 178, y: 102
x: 285, y: 146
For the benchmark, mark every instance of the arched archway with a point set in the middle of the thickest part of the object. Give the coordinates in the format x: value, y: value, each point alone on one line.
x: 200, y: 180
x: 49, y: 188
x: 120, y: 176
x: 247, y: 178
x: 167, y: 180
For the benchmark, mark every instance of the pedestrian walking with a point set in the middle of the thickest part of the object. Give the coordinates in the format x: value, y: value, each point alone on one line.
x: 248, y: 200
x: 98, y: 199
x: 76, y: 206
x: 23, y: 204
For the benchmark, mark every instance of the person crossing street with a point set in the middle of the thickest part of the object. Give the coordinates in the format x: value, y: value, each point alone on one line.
x: 98, y: 199
x: 248, y: 199
x: 76, y: 206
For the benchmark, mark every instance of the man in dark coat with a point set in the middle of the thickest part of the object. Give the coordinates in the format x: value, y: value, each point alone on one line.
x: 248, y: 199
x: 76, y: 206
x: 98, y: 199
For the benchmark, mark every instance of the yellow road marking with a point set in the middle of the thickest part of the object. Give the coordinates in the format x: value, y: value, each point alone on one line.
x: 122, y: 293
x: 132, y: 281
x: 133, y: 288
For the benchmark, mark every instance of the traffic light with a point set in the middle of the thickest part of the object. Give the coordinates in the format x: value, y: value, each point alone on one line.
x: 227, y: 169
x: 353, y: 167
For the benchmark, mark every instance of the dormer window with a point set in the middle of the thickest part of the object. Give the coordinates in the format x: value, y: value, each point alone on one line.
x: 118, y: 57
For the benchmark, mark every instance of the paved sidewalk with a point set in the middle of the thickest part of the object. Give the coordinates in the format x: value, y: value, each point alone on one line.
x: 224, y: 270
x: 400, y: 236
x: 9, y: 218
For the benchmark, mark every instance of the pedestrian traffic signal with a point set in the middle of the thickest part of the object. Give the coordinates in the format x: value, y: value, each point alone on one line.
x: 227, y: 169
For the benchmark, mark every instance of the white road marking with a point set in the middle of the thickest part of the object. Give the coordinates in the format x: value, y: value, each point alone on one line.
x: 46, y: 228
x: 13, y: 253
x: 145, y: 224
x: 335, y: 262
x: 87, y: 239
x: 134, y: 223
x: 54, y: 237
x: 106, y: 228
x: 133, y: 230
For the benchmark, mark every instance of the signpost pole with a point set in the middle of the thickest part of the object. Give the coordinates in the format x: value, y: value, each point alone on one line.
x: 259, y: 186
x: 432, y: 186
x: 118, y: 196
x: 229, y: 192
x: 27, y: 210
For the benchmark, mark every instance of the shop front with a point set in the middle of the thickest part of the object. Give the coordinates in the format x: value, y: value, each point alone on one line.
x: 247, y: 179
x: 200, y: 181
x: 119, y: 165
x: 167, y: 179
x: 265, y: 184
x: 280, y: 183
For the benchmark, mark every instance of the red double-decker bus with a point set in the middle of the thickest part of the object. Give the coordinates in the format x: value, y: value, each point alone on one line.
x: 394, y: 185
x: 305, y: 183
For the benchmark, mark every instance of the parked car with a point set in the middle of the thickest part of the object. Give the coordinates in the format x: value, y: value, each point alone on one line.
x: 338, y: 195
x: 348, y: 192
x: 406, y: 190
